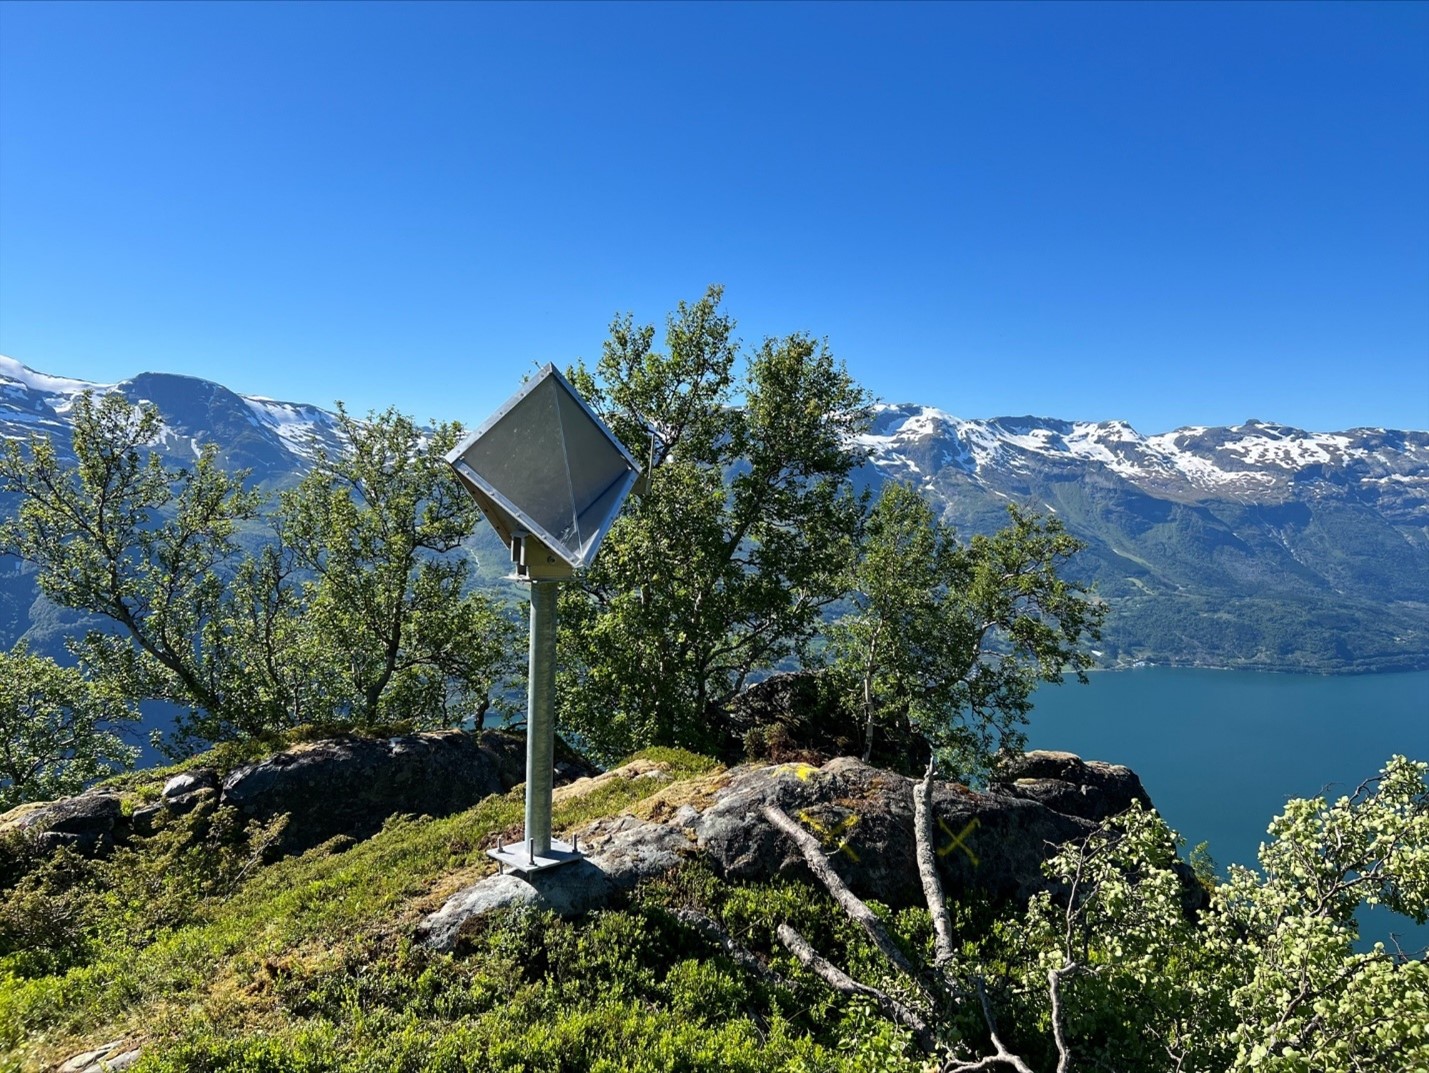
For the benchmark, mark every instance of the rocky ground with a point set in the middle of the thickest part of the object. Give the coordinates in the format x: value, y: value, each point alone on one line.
x: 990, y: 843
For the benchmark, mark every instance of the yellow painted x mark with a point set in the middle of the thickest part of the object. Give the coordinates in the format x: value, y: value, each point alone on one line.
x: 959, y: 840
x: 839, y: 831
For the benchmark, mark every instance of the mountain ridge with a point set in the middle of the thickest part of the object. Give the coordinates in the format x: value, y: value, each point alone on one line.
x: 1254, y: 461
x: 1259, y: 545
x: 276, y: 434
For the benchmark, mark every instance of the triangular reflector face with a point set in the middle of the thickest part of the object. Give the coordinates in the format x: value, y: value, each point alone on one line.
x: 550, y: 464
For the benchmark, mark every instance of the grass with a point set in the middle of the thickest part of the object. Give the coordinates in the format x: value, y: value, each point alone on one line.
x: 309, y: 963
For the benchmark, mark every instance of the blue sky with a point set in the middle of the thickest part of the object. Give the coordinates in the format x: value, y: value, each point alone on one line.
x: 1169, y: 214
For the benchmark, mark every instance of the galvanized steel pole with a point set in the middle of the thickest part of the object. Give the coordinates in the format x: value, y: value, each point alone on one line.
x: 540, y: 717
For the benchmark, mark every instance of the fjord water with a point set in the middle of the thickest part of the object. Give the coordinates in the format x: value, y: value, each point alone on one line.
x: 1220, y: 752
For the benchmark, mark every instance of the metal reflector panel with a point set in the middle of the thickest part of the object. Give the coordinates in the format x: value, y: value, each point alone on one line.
x: 545, y: 466
x: 550, y: 478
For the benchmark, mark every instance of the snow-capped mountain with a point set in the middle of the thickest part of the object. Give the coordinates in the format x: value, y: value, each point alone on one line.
x: 274, y: 439
x: 1256, y: 462
x: 1257, y: 546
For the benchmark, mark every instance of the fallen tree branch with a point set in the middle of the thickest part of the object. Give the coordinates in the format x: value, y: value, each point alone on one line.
x: 711, y: 930
x: 857, y: 911
x: 928, y: 871
x: 845, y: 984
x: 818, y: 862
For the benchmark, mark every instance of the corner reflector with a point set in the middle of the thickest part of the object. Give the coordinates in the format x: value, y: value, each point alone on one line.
x: 545, y: 467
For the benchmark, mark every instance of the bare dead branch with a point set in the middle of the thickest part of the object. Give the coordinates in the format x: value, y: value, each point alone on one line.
x: 857, y: 911
x: 992, y: 1061
x: 841, y: 982
x: 928, y: 870
x: 712, y: 931
x: 1003, y: 1057
x: 1059, y: 1029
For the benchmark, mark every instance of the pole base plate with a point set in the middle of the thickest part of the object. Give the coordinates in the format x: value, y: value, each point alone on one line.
x: 516, y: 857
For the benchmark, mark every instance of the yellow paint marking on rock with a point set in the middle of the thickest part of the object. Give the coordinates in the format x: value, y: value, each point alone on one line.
x: 959, y: 840
x: 839, y: 831
x: 803, y: 771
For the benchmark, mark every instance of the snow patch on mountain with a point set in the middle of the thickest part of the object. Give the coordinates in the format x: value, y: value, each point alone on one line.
x: 301, y: 427
x: 1256, y: 462
x: 14, y: 373
x: 32, y: 401
x: 1252, y: 462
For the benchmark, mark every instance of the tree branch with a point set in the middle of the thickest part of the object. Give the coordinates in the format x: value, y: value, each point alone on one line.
x: 928, y: 870
x: 712, y: 931
x: 1059, y: 1029
x: 1003, y: 1055
x: 857, y: 911
x: 841, y: 982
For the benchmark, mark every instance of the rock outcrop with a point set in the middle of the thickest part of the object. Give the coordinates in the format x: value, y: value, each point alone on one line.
x: 352, y: 785
x: 992, y: 843
x: 347, y: 785
x: 1066, y: 783
x: 90, y: 823
x: 112, y: 1057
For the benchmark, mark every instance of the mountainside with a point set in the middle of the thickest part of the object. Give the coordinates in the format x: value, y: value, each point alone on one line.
x: 1256, y: 546
x: 274, y: 439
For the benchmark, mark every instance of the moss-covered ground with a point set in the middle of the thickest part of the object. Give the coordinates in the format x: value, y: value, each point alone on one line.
x: 192, y: 946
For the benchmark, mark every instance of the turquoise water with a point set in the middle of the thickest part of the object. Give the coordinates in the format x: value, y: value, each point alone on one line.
x: 1221, y: 751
